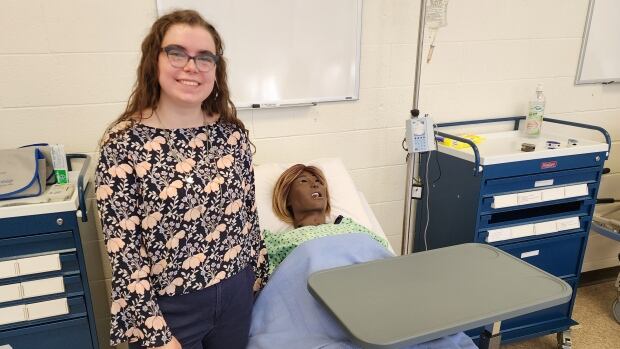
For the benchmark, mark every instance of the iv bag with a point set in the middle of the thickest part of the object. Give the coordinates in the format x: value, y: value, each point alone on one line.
x: 436, y: 13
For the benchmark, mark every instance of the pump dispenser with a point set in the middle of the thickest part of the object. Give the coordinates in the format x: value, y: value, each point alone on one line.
x: 536, y: 110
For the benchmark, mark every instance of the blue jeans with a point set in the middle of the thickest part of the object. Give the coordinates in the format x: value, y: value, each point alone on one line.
x: 215, y: 317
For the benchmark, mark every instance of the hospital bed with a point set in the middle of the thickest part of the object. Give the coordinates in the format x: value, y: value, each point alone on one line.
x: 277, y: 307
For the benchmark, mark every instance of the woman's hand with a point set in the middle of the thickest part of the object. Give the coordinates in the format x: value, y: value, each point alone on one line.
x: 173, y: 344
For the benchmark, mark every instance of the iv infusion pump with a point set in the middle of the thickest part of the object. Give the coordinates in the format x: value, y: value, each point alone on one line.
x: 420, y: 134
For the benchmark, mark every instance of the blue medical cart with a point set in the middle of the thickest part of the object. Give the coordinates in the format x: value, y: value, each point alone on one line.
x: 534, y: 205
x: 45, y: 299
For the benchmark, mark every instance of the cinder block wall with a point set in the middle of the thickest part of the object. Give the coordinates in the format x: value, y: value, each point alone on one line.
x: 67, y: 67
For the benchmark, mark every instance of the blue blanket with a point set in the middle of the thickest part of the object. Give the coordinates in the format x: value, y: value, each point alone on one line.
x: 286, y: 315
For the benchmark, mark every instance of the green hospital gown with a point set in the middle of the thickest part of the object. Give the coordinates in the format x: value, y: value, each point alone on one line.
x: 279, y: 245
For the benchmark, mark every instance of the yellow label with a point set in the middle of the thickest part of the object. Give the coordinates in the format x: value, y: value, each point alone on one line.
x: 453, y: 143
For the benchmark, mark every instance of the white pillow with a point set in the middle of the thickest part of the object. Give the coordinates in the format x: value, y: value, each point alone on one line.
x: 344, y: 198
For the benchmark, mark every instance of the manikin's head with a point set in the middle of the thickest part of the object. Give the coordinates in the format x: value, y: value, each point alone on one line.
x: 301, y: 196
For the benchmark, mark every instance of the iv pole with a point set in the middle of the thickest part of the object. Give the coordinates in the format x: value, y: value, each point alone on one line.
x: 412, y: 158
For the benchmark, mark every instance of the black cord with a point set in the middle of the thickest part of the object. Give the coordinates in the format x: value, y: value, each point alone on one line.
x: 437, y: 161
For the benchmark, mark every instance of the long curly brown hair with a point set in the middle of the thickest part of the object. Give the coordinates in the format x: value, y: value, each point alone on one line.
x: 146, y: 90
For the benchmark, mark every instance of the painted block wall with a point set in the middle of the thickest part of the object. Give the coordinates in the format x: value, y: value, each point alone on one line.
x: 67, y: 67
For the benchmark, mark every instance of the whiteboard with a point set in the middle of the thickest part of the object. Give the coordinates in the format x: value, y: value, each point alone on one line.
x: 285, y: 52
x: 599, y: 61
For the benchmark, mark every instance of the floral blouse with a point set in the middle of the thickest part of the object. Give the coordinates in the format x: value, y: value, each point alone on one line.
x: 176, y: 219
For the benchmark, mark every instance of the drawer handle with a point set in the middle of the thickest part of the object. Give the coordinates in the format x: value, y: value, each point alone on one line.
x: 530, y: 254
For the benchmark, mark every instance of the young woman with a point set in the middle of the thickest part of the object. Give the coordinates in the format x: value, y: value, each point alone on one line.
x: 175, y: 192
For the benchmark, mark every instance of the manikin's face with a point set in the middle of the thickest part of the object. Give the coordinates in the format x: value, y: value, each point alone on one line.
x: 187, y: 86
x: 307, y: 194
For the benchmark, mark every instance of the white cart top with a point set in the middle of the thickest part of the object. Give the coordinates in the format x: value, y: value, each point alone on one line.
x: 502, y: 147
x: 34, y: 206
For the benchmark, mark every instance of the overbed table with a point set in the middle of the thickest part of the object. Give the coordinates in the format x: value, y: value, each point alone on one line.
x: 415, y: 298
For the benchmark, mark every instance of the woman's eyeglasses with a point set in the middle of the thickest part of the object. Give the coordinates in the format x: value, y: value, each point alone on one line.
x: 178, y: 58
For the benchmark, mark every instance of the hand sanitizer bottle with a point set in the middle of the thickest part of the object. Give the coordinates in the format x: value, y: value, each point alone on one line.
x: 534, y: 118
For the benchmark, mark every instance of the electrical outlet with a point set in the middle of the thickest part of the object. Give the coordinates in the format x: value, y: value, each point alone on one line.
x: 416, y: 192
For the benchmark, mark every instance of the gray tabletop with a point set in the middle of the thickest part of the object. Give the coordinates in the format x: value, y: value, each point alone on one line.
x: 424, y: 296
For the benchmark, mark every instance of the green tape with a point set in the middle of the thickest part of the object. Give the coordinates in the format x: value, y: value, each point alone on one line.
x: 61, y: 176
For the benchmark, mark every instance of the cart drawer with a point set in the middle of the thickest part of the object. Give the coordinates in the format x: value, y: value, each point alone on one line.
x: 533, y: 229
x: 44, y: 288
x: 548, y: 168
x: 33, y: 311
x: 68, y: 265
x: 37, y: 224
x: 540, y: 181
x: 537, y: 197
x: 31, y: 289
x: 36, y: 244
x: 538, y: 214
x: 32, y: 265
x: 73, y: 333
x: 558, y: 255
x: 40, y: 312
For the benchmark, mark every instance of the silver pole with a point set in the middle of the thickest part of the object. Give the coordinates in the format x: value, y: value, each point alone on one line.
x: 418, y: 61
x: 412, y: 158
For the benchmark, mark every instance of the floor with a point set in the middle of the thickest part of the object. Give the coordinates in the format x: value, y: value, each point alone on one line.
x: 597, y: 328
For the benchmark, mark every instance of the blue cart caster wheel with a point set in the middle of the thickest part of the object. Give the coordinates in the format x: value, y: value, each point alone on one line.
x: 615, y: 309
